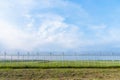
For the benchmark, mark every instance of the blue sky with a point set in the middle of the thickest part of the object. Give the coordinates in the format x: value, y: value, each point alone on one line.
x: 55, y: 25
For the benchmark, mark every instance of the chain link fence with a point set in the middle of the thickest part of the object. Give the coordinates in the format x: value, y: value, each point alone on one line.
x: 59, y: 59
x: 57, y: 56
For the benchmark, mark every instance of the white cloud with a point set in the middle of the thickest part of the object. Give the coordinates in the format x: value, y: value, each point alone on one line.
x: 32, y: 24
x: 36, y: 30
x: 10, y: 35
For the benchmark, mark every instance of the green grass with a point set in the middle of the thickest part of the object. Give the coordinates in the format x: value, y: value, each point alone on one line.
x: 58, y: 70
x: 60, y: 64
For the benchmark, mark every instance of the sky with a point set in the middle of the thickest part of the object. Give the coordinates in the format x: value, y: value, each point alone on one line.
x: 59, y: 25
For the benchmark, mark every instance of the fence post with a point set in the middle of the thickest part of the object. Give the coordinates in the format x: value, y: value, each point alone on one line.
x: 50, y: 56
x: 50, y: 59
x: 37, y: 56
x: 28, y: 54
x: 11, y: 58
x: 5, y: 58
x: 23, y: 58
x: 18, y: 54
x: 63, y: 61
x: 76, y: 58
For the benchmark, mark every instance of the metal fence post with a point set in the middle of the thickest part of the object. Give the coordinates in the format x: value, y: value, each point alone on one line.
x: 18, y: 54
x: 11, y: 58
x: 28, y: 55
x: 50, y: 58
x: 37, y: 56
x: 63, y: 61
x: 5, y: 58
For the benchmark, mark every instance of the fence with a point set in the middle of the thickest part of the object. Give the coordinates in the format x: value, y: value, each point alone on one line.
x: 59, y: 59
x: 57, y: 56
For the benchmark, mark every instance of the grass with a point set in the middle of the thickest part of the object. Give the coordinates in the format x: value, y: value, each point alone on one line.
x: 58, y: 70
x: 60, y: 74
x: 60, y: 64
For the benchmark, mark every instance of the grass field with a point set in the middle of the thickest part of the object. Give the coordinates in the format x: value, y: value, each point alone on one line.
x: 60, y: 74
x: 60, y: 64
x: 58, y: 70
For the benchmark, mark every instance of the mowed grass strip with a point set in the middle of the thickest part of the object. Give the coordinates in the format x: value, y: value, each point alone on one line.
x: 60, y: 64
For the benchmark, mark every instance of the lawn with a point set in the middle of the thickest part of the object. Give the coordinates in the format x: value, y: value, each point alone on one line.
x: 60, y: 64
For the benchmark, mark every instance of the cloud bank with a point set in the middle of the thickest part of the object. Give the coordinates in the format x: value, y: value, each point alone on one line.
x: 50, y: 25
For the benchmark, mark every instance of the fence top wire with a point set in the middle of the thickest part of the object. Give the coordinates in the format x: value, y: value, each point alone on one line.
x: 59, y: 54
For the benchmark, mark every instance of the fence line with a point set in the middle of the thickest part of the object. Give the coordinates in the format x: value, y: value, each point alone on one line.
x: 58, y: 56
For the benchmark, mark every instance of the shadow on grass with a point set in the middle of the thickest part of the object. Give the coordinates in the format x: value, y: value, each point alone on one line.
x: 61, y: 67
